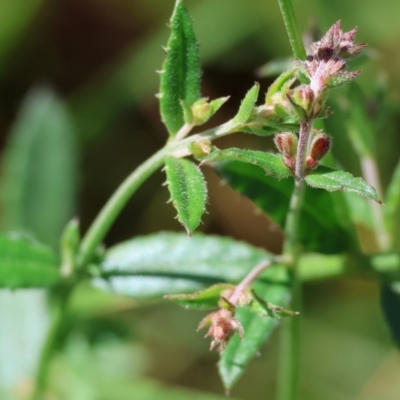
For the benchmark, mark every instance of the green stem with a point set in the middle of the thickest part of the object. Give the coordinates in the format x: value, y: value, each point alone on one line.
x: 50, y: 343
x: 292, y: 29
x: 99, y: 229
x: 289, y: 346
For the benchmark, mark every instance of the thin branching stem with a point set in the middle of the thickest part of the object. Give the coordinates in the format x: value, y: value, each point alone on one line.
x: 249, y: 279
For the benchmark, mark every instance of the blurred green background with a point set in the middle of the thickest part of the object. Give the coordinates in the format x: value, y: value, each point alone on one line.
x: 97, y: 60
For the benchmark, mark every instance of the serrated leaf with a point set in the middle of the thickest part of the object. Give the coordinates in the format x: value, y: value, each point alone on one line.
x: 272, y: 164
x: 38, y: 183
x: 172, y: 263
x: 26, y: 264
x: 331, y: 180
x: 202, y: 300
x: 238, y: 353
x: 188, y: 191
x: 322, y: 230
x: 181, y: 74
x: 390, y: 301
x: 247, y: 106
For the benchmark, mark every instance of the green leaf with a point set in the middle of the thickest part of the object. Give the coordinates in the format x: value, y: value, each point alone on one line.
x: 390, y: 301
x: 38, y: 185
x: 331, y: 180
x: 392, y: 200
x: 188, y: 191
x: 172, y: 263
x: 272, y: 164
x: 274, y: 67
x: 202, y: 300
x: 26, y: 264
x: 202, y: 110
x: 359, y: 126
x: 281, y: 84
x: 275, y: 288
x: 180, y: 74
x: 322, y: 229
x: 247, y: 106
x: 266, y: 309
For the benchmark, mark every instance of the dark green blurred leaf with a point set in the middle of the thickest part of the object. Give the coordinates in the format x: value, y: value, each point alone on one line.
x: 360, y: 126
x: 14, y: 21
x: 272, y: 164
x: 331, y: 180
x: 105, y: 96
x: 202, y: 300
x: 392, y: 200
x: 390, y: 300
x: 274, y: 67
x: 172, y: 263
x: 188, y: 191
x: 322, y: 230
x: 247, y: 106
x: 26, y: 264
x: 180, y: 74
x: 38, y: 184
x: 273, y: 287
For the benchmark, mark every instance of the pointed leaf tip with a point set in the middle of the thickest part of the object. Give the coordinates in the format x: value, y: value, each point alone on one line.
x: 248, y: 103
x: 182, y: 73
x: 331, y: 180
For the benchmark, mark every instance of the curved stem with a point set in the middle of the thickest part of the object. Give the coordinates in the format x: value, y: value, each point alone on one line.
x: 292, y: 29
x: 116, y: 203
x: 50, y: 343
x: 249, y: 279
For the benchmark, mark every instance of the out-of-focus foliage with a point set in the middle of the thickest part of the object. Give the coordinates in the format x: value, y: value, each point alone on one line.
x: 100, y: 57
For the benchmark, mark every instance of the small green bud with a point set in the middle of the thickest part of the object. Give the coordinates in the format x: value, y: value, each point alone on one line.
x: 302, y: 101
x: 70, y: 240
x: 201, y: 149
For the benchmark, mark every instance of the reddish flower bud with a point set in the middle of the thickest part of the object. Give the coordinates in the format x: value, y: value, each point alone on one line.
x: 320, y: 146
x: 223, y: 325
x: 286, y: 142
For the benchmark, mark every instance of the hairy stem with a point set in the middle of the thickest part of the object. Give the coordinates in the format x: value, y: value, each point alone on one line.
x: 115, y: 204
x: 289, y: 346
x: 292, y: 29
x: 249, y: 279
x: 300, y: 169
